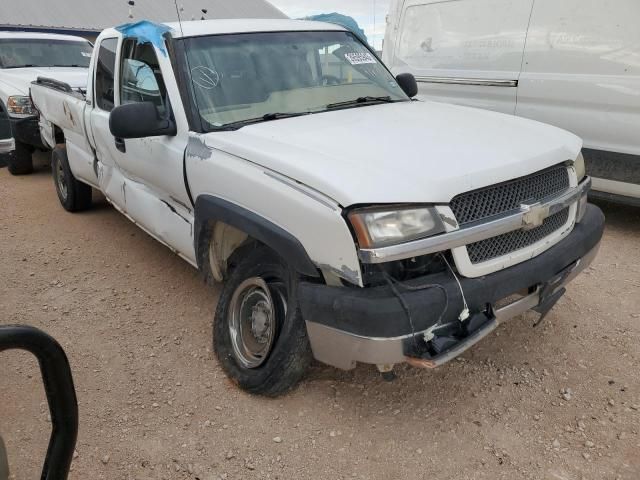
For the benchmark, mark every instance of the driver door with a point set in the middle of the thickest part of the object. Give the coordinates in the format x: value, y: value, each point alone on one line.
x: 104, y: 101
x: 152, y: 167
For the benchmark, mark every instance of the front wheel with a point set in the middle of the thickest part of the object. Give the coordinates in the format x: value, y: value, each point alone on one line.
x: 74, y: 195
x: 259, y: 335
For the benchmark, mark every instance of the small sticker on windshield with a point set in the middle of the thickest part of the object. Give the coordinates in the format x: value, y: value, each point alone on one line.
x: 205, y: 77
x: 360, y: 58
x: 85, y: 54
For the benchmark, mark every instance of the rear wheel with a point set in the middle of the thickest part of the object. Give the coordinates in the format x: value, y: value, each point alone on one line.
x: 73, y: 194
x: 20, y: 162
x: 260, y: 337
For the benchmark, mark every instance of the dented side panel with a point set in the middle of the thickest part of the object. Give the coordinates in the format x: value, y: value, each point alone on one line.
x: 150, y: 170
x: 60, y: 108
x: 314, y: 219
x: 161, y: 219
x: 66, y: 112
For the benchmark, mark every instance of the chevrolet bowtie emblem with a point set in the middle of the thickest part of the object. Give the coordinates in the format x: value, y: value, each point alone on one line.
x: 533, y: 215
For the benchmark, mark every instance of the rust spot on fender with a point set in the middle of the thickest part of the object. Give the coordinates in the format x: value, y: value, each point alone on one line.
x: 67, y: 113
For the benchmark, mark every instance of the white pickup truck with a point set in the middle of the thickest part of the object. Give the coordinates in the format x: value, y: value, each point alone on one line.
x: 23, y: 57
x: 347, y: 221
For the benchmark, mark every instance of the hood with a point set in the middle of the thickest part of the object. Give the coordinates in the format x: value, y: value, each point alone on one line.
x: 17, y: 81
x: 413, y: 152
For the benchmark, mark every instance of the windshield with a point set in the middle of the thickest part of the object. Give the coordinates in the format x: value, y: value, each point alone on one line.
x: 242, y: 77
x: 28, y: 52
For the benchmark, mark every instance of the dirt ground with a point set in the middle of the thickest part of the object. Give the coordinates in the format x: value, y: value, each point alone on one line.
x: 559, y: 402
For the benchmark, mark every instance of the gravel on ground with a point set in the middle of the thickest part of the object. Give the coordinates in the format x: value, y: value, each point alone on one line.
x: 558, y: 402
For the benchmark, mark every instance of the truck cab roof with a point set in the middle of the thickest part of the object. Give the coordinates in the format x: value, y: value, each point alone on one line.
x: 198, y: 28
x: 40, y: 36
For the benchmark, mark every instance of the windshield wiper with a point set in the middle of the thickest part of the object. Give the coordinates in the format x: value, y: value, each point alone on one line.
x: 362, y: 101
x: 268, y: 117
x: 72, y: 65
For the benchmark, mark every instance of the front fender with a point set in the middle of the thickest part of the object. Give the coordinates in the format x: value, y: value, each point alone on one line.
x: 304, y: 219
x: 211, y: 209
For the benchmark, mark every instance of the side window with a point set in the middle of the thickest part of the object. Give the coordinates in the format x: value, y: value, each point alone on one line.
x: 105, y: 72
x: 464, y: 35
x: 141, y: 78
x: 568, y: 37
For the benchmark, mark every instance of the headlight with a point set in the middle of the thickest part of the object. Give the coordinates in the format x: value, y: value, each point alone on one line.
x: 20, y: 106
x: 581, y: 171
x: 379, y: 227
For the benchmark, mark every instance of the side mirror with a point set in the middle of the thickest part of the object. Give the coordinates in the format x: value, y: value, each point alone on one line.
x: 139, y: 120
x: 4, y: 462
x: 408, y: 84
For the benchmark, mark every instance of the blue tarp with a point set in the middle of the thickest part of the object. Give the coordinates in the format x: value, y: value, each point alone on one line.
x: 146, y: 32
x: 344, y: 20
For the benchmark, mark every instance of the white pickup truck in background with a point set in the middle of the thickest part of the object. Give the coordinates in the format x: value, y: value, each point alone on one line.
x: 347, y: 220
x: 569, y: 63
x: 24, y: 56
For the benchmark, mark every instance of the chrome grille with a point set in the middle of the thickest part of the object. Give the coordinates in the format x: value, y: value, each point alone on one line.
x: 485, y: 203
x: 510, y: 242
x: 496, y: 199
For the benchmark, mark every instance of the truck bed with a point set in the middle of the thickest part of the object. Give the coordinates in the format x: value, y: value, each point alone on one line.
x: 62, y: 123
x: 58, y: 105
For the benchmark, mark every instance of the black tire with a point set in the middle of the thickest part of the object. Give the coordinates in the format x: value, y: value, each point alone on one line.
x: 20, y: 161
x: 289, y: 356
x: 74, y: 195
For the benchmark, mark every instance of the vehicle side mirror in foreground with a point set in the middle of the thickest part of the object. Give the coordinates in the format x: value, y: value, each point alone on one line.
x: 4, y: 462
x: 139, y: 120
x: 61, y: 396
x: 408, y: 84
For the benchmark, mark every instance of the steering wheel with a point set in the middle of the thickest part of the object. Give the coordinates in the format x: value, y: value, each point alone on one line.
x: 330, y: 80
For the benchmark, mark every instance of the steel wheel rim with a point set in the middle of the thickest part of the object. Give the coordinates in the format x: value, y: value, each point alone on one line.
x: 60, y: 180
x: 253, y: 322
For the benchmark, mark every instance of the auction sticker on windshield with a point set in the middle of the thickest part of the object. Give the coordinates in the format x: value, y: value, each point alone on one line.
x: 355, y: 58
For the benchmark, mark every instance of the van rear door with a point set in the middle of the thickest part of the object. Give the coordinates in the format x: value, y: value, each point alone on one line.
x: 463, y: 51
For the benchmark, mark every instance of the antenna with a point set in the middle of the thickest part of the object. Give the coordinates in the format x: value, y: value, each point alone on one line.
x: 374, y: 24
x: 204, y: 12
x: 178, y: 10
x: 131, y: 5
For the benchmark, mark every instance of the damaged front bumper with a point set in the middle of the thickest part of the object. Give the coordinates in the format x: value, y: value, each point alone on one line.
x: 27, y: 130
x: 371, y: 325
x: 7, y: 146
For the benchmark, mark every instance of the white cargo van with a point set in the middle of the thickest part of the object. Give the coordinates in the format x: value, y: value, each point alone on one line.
x: 574, y: 64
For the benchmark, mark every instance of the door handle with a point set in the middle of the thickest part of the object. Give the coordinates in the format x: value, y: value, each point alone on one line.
x: 120, y: 145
